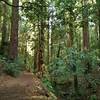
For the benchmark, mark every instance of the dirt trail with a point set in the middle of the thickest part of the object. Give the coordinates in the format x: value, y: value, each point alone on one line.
x: 23, y: 87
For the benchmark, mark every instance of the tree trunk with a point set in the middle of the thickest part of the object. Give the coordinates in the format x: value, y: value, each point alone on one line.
x: 76, y: 84
x: 13, y: 53
x: 48, y: 47
x: 0, y: 17
x: 5, y: 35
x: 41, y: 46
x: 70, y: 31
x: 98, y: 17
x: 85, y: 25
x: 59, y: 48
x: 41, y: 37
x: 35, y: 56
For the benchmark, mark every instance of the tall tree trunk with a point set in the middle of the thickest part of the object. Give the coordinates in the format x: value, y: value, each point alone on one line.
x: 0, y: 16
x: 41, y: 46
x: 35, y: 58
x: 85, y: 25
x: 51, y: 32
x: 48, y: 50
x: 5, y: 35
x: 25, y: 51
x: 99, y: 27
x: 59, y: 48
x: 36, y: 55
x: 96, y: 30
x: 41, y: 37
x: 13, y: 53
x: 98, y: 17
x: 70, y: 30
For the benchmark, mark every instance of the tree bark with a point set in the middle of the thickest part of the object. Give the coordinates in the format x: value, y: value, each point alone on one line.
x: 98, y: 17
x: 35, y: 56
x: 0, y: 16
x: 48, y: 47
x: 85, y: 25
x: 13, y: 52
x: 41, y: 47
x: 5, y: 35
x: 70, y: 31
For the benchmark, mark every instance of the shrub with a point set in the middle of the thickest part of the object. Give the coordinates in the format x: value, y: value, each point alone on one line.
x: 73, y: 63
x: 93, y: 97
x: 12, y: 69
x: 58, y: 70
x: 48, y: 84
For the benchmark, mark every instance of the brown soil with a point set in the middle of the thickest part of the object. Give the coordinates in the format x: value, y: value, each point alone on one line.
x: 25, y: 87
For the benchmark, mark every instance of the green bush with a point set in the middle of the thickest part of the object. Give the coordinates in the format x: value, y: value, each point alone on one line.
x: 74, y: 63
x: 12, y: 69
x: 48, y: 84
x: 58, y: 70
x: 93, y: 97
x: 61, y: 69
x: 20, y: 63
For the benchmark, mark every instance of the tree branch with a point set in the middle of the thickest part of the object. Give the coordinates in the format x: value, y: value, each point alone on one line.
x: 10, y: 4
x: 22, y: 6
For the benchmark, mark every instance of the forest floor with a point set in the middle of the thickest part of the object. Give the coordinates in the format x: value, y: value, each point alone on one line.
x: 28, y: 87
x: 24, y: 87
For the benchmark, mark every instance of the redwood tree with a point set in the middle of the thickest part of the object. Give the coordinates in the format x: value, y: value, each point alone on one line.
x: 41, y: 18
x: 13, y: 52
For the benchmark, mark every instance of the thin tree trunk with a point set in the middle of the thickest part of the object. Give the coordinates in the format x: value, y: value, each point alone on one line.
x: 0, y: 17
x: 76, y: 84
x: 35, y: 56
x: 71, y: 31
x: 48, y: 50
x: 99, y: 34
x: 98, y: 17
x: 58, y: 53
x: 41, y: 47
x: 85, y: 25
x: 5, y: 35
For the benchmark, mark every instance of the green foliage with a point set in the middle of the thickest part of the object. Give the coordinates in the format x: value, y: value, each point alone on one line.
x: 74, y: 62
x: 93, y: 97
x: 90, y: 57
x: 35, y: 10
x: 48, y: 84
x: 2, y: 59
x: 15, y: 67
x: 20, y: 62
x: 58, y: 70
x: 93, y: 81
x: 12, y: 68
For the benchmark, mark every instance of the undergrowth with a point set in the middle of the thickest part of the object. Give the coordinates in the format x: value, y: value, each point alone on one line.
x: 75, y: 63
x: 10, y: 67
